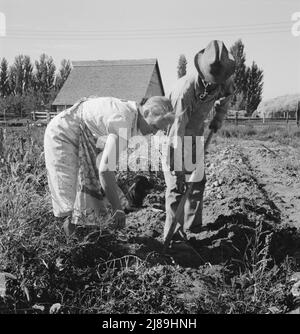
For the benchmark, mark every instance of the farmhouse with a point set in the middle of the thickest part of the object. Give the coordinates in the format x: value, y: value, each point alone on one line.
x: 125, y: 79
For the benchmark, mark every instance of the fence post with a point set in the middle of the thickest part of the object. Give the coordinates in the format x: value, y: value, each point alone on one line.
x: 33, y: 116
x: 298, y: 114
x: 236, y: 117
x: 1, y: 142
x: 48, y: 116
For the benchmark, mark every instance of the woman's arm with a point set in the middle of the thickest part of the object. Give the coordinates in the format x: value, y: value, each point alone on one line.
x: 107, y: 170
x: 109, y: 184
x: 107, y: 178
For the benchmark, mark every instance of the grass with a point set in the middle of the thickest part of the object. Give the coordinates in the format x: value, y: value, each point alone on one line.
x: 283, y: 134
x: 53, y: 275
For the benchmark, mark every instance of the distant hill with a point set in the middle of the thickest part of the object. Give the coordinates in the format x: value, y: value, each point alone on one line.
x: 278, y: 106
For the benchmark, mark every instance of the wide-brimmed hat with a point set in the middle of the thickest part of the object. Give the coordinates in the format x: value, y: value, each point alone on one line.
x: 214, y: 63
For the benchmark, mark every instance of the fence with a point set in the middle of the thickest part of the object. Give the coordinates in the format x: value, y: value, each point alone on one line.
x: 45, y: 116
x: 261, y: 121
x: 237, y: 118
x: 9, y: 119
x: 265, y: 121
x: 40, y: 117
x: 6, y: 116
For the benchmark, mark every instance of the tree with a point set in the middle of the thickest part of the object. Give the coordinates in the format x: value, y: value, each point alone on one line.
x: 181, y: 68
x: 20, y: 75
x: 4, y: 84
x: 28, y: 74
x: 45, y: 77
x: 63, y: 73
x: 24, y: 87
x: 16, y: 76
x: 240, y: 75
x: 254, y: 88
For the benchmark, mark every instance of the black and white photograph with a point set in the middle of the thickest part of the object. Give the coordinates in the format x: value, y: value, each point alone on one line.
x: 149, y: 160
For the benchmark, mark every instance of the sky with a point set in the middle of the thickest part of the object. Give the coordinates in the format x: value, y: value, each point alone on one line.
x: 162, y: 29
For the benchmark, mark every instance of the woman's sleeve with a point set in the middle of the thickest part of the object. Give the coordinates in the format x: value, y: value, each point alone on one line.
x: 119, y: 125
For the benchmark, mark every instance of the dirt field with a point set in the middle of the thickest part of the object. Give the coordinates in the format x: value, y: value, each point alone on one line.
x: 242, y: 262
x: 248, y: 181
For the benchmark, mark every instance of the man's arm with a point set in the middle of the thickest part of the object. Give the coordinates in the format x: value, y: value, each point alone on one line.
x: 222, y: 105
x: 180, y: 122
x: 181, y: 96
x: 176, y: 133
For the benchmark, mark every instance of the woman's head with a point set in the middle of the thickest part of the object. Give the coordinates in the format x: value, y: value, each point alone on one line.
x: 158, y: 113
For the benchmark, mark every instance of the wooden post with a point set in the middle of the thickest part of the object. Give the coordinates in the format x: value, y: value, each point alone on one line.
x: 236, y: 117
x: 21, y: 141
x: 33, y: 116
x: 48, y: 116
x: 1, y: 143
x: 298, y: 114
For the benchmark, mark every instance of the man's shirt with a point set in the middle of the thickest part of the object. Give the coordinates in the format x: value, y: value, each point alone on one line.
x: 191, y: 111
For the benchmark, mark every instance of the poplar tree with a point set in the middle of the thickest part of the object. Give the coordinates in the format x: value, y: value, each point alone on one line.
x: 4, y: 83
x: 44, y: 77
x: 181, y: 68
x: 64, y: 71
x: 254, y: 88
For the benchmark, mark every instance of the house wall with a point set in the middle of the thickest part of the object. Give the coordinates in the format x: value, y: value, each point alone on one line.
x: 154, y: 88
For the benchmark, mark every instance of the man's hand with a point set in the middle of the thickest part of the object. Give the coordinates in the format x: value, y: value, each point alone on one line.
x: 221, y: 107
x: 215, y: 124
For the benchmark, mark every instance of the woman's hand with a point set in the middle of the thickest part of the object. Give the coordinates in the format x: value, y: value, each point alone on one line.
x: 119, y: 219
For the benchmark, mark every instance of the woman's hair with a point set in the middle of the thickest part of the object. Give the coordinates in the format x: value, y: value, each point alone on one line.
x: 158, y: 106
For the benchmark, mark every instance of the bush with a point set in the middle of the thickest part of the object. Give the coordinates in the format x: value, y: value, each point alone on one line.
x: 19, y: 105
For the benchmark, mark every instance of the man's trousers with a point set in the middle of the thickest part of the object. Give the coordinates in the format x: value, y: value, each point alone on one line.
x: 176, y: 187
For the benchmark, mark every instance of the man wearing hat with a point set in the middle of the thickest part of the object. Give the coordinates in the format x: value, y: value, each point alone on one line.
x: 192, y: 98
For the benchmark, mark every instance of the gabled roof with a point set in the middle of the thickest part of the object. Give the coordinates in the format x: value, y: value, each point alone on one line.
x: 125, y: 79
